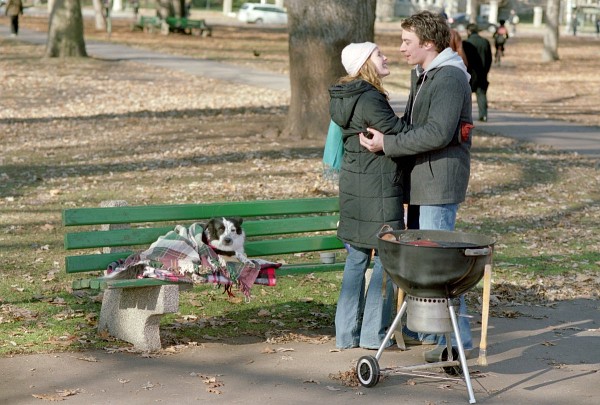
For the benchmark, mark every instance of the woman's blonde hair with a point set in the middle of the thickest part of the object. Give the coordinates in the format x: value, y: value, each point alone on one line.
x: 369, y: 74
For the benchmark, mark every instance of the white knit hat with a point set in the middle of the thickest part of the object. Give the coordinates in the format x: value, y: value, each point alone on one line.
x: 355, y: 55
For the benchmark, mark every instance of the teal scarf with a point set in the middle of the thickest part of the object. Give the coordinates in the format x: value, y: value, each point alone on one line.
x: 334, y: 150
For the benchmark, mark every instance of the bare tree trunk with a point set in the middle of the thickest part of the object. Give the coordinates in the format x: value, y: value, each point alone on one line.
x: 178, y: 8
x: 65, y: 32
x: 318, y: 31
x: 164, y: 8
x: 550, y: 50
x: 98, y: 17
x: 475, y: 11
x: 385, y: 10
x: 171, y: 8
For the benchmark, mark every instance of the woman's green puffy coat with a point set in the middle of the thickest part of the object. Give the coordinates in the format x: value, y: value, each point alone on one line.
x: 372, y: 186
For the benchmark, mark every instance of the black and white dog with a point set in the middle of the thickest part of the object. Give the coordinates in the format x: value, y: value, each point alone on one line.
x: 226, y: 237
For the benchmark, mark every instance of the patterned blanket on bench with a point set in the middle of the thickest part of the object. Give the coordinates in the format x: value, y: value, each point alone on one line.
x: 181, y: 256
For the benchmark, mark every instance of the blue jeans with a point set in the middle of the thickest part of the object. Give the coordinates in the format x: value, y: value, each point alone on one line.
x: 443, y: 217
x: 362, y: 319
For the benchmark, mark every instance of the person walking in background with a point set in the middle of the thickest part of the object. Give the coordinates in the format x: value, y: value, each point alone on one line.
x: 371, y: 188
x: 439, y: 111
x: 500, y: 37
x: 479, y: 62
x: 14, y: 8
x: 514, y: 21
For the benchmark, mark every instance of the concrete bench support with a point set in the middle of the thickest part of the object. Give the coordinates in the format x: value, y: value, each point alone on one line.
x: 133, y: 314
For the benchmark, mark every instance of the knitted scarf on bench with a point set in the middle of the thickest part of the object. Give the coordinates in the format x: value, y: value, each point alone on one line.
x: 180, y: 256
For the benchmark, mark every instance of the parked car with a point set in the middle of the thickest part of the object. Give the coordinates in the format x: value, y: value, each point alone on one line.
x: 256, y: 13
x: 461, y: 20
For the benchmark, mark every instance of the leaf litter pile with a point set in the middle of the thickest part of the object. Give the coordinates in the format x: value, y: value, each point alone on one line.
x: 84, y: 131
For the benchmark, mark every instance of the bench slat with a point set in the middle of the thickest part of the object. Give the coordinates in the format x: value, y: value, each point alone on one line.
x: 141, y: 236
x: 292, y: 245
x: 309, y: 268
x: 92, y: 262
x: 177, y: 22
x: 139, y: 282
x: 162, y: 213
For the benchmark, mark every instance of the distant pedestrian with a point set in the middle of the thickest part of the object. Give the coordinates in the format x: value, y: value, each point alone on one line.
x: 135, y: 4
x: 479, y: 61
x: 14, y: 8
x: 500, y: 37
x: 106, y: 8
x: 514, y: 21
x: 574, y: 24
x: 598, y: 26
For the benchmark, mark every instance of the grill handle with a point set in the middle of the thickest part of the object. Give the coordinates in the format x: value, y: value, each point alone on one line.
x: 478, y: 252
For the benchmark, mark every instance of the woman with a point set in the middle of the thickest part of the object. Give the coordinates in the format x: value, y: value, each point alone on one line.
x: 371, y: 193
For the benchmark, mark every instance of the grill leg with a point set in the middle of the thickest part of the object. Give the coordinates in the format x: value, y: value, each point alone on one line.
x: 461, y: 352
x: 392, y: 329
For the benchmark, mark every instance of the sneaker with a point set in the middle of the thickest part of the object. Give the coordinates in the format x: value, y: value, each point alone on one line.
x: 439, y: 354
x: 483, y: 119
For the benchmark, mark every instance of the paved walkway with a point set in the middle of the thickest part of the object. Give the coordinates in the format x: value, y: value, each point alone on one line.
x: 539, y: 355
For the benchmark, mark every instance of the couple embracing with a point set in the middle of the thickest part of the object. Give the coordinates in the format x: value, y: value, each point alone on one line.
x: 421, y: 158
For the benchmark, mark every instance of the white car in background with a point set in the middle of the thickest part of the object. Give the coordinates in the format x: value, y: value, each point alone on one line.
x: 256, y: 13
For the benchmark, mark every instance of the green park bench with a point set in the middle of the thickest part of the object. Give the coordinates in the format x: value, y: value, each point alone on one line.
x: 148, y: 24
x: 284, y: 231
x: 189, y: 26
x: 154, y: 23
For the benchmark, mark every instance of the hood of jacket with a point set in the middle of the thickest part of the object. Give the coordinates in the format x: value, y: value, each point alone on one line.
x: 445, y: 58
x: 344, y: 98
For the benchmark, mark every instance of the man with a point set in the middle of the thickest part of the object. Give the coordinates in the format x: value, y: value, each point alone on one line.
x: 479, y: 59
x: 439, y: 111
x: 14, y: 8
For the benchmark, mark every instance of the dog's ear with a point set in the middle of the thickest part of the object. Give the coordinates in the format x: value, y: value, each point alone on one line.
x: 239, y: 220
x: 209, y: 228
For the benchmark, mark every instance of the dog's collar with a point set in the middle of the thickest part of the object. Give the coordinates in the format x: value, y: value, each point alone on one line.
x: 221, y: 252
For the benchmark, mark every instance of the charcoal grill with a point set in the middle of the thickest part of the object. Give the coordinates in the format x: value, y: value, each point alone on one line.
x: 433, y: 268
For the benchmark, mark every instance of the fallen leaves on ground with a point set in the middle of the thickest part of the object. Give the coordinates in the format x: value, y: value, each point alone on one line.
x: 299, y: 337
x: 12, y: 313
x: 347, y: 378
x: 58, y: 395
x: 91, y: 359
x: 531, y: 289
x: 212, y: 383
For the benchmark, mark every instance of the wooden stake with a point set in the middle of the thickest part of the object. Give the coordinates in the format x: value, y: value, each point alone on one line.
x: 485, y: 313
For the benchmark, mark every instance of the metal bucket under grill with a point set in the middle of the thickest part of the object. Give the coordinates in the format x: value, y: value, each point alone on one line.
x: 428, y: 315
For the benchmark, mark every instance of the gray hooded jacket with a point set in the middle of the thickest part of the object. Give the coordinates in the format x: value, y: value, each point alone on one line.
x: 439, y: 104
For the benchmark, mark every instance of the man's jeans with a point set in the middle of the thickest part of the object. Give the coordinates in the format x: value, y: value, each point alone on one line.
x: 362, y: 320
x: 443, y: 217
